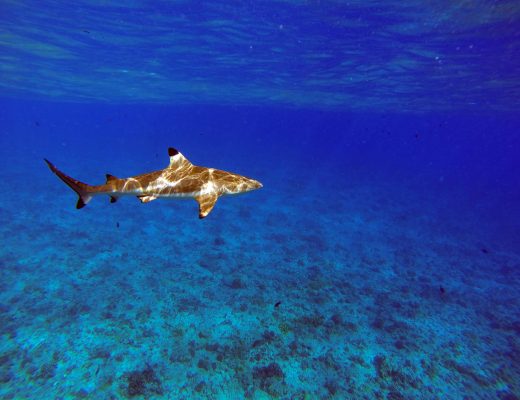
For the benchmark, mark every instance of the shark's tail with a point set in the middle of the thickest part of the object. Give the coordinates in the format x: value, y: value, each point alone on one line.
x: 83, y: 190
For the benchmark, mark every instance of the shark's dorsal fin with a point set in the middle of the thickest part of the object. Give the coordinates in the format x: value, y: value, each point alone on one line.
x: 177, y: 160
x: 206, y: 204
x: 110, y: 178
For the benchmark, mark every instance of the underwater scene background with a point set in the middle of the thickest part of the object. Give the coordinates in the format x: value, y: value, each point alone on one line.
x: 380, y: 260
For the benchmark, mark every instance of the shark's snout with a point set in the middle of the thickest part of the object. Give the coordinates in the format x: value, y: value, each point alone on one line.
x: 256, y: 185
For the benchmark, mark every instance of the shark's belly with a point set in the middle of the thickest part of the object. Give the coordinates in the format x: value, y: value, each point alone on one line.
x: 183, y: 189
x: 164, y: 186
x: 175, y: 195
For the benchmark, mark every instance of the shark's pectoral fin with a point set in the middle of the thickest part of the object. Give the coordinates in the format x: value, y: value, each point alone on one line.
x: 146, y: 199
x: 206, y: 204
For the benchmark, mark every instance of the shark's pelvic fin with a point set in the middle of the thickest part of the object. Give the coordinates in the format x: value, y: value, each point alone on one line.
x: 206, y: 204
x: 146, y: 199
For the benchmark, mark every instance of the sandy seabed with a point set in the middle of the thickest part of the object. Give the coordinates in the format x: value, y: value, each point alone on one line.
x: 359, y: 291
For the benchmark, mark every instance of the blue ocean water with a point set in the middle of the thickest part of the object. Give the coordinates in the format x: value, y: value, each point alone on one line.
x: 380, y: 260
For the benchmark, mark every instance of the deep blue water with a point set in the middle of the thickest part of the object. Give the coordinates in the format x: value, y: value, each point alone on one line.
x: 380, y: 260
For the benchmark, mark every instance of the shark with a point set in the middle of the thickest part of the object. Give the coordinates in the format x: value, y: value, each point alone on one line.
x: 180, y: 179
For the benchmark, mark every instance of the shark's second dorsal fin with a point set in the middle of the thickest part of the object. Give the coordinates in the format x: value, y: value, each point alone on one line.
x: 177, y: 160
x: 110, y: 178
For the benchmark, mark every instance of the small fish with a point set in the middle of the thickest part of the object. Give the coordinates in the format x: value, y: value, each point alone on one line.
x: 277, y: 304
x: 84, y: 30
x: 97, y: 370
x: 117, y: 224
x: 484, y: 250
x: 442, y: 290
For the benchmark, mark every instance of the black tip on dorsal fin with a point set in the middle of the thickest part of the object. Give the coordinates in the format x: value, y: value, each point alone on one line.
x: 172, y: 152
x: 110, y: 177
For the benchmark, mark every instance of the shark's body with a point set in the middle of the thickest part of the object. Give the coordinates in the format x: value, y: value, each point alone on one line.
x: 180, y: 179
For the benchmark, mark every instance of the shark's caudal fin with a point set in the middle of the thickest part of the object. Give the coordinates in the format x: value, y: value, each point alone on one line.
x: 82, y: 189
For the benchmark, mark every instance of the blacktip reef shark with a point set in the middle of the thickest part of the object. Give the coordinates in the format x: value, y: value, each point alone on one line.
x: 180, y: 179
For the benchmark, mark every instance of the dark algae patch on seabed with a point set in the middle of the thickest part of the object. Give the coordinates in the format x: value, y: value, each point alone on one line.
x: 380, y: 260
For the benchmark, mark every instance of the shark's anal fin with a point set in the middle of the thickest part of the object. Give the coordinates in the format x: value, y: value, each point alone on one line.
x: 111, y: 179
x: 206, y: 204
x: 146, y: 199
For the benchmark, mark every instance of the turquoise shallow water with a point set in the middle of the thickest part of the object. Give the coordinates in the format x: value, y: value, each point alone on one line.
x: 353, y: 273
x: 380, y: 260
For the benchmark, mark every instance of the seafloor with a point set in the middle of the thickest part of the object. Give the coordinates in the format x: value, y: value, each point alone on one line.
x: 306, y: 289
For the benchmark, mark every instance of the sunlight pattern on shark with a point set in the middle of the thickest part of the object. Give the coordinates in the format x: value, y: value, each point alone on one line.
x: 181, y: 179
